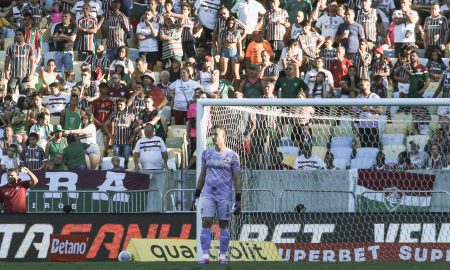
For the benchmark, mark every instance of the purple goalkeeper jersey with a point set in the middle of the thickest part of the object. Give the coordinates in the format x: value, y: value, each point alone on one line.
x: 220, y: 167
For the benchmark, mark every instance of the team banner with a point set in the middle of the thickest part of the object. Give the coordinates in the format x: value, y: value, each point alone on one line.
x: 27, y: 237
x: 159, y: 250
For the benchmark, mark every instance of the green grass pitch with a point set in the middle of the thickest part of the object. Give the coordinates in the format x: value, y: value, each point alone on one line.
x: 231, y: 266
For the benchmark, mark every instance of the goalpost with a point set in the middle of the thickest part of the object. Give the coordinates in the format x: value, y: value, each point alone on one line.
x: 372, y: 201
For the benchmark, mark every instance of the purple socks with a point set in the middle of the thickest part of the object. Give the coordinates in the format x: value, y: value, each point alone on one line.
x: 224, y: 241
x: 205, y: 240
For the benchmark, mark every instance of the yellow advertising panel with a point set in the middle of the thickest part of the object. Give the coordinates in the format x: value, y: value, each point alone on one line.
x: 172, y: 250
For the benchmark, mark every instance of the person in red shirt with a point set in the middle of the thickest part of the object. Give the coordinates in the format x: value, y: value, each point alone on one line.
x: 339, y: 68
x: 102, y: 108
x: 13, y: 196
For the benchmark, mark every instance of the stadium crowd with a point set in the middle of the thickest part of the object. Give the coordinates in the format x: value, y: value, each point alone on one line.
x: 83, y: 77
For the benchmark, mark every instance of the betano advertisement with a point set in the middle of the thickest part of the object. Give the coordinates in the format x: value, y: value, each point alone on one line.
x: 330, y: 237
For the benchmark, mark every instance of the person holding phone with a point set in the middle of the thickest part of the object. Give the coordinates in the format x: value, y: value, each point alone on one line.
x: 13, y: 195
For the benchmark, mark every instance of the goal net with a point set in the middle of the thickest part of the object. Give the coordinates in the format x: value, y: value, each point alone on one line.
x: 337, y: 180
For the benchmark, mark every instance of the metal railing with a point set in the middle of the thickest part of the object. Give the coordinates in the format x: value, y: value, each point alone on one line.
x: 172, y: 198
x: 136, y: 201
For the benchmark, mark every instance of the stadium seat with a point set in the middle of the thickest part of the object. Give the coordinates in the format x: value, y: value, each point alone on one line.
x: 343, y: 131
x: 286, y: 141
x: 320, y: 151
x: 342, y: 152
x: 392, y: 139
x: 346, y: 120
x: 288, y: 150
x: 181, y: 144
x: 107, y: 165
x: 396, y: 128
x: 423, y: 61
x: 367, y: 153
x: 382, y: 122
x: 434, y: 124
x: 403, y: 118
x: 361, y: 163
x: 420, y: 140
x: 177, y: 131
x: 289, y: 160
x: 8, y: 41
x: 321, y: 130
x: 341, y: 163
x: 391, y: 153
x: 342, y: 141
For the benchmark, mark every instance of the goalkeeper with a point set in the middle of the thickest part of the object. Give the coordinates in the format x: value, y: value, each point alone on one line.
x: 220, y: 168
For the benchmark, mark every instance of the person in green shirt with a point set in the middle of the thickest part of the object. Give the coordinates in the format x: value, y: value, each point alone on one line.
x: 290, y: 85
x: 419, y: 79
x: 74, y: 154
x: 225, y: 87
x: 71, y: 117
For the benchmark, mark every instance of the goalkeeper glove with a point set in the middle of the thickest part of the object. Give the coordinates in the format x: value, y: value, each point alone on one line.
x: 237, y: 207
x: 195, y: 199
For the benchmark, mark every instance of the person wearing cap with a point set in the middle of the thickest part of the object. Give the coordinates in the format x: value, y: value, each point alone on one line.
x: 417, y: 157
x: 150, y: 89
x: 209, y: 77
x: 308, y: 161
x: 56, y: 144
x: 122, y: 59
x: 379, y: 64
x: 291, y: 85
x: 255, y: 47
x: 252, y: 86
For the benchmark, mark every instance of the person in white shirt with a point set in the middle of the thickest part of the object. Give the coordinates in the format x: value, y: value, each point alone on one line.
x: 43, y: 128
x: 308, y: 160
x: 418, y: 158
x: 147, y: 34
x: 248, y: 12
x: 11, y: 159
x: 405, y: 20
x: 96, y: 9
x: 150, y: 152
x: 328, y: 23
x: 207, y: 12
x: 56, y: 102
x: 310, y: 77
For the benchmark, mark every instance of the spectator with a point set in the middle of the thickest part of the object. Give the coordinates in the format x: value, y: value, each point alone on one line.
x: 170, y: 35
x: 379, y: 64
x: 13, y: 195
x: 349, y: 33
x: 135, y: 103
x: 404, y: 162
x: 378, y: 86
x: 118, y: 25
x: 298, y: 5
x: 311, y: 76
x: 147, y: 33
x: 208, y: 13
x: 368, y: 115
x: 435, y: 66
x: 19, y: 63
x: 380, y: 160
x: 43, y: 128
x: 192, y: 30
x: 329, y: 158
x: 20, y: 121
x: 301, y: 130
x: 192, y: 120
x: 221, y: 25
x: 8, y: 109
x: 36, y: 108
x: 268, y: 70
x: 209, y: 78
x: 99, y: 60
x: 33, y: 156
x: 116, y: 164
x: 150, y: 89
x: 308, y: 161
x: 182, y: 92
x: 56, y: 145
x: 87, y: 135
x: 73, y: 154
x: 290, y: 54
x: 150, y: 152
x: 151, y: 115
x: 48, y: 77
x: 275, y: 22
x: 56, y: 102
x: 371, y: 22
x: 8, y: 139
x: 121, y: 58
x: 230, y: 48
x: 87, y: 28
x: 88, y: 87
x: 402, y: 71
x: 436, y: 31
x: 418, y: 158
x: 71, y: 116
x: 350, y: 84
x: 278, y: 164
x: 321, y: 88
x: 37, y: 11
x: 32, y: 35
x: 329, y: 22
x: 404, y: 20
x: 328, y: 52
x: 437, y: 160
x: 11, y: 160
x: 339, y: 68
x: 79, y: 9
x: 361, y: 60
x: 310, y: 42
x: 444, y: 87
x: 64, y: 35
x: 419, y: 79
x: 249, y: 12
x: 296, y: 27
x: 255, y: 47
x: 120, y: 131
x: 58, y: 163
x: 291, y: 85
x: 252, y: 86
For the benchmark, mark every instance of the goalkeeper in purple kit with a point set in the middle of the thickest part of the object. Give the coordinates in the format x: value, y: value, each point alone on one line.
x: 220, y: 168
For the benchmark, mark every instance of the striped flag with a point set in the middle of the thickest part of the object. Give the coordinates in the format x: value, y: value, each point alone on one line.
x: 393, y: 191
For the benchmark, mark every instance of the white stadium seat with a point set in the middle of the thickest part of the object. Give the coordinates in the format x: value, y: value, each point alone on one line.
x: 341, y: 152
x: 392, y: 139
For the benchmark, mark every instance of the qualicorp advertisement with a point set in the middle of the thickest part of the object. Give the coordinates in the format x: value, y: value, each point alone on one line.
x: 159, y: 250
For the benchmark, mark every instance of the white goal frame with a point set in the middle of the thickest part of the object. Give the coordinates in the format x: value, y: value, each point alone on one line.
x: 201, y: 122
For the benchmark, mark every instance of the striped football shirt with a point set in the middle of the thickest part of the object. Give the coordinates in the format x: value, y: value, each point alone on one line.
x: 86, y: 40
x: 122, y: 126
x: 272, y: 20
x: 308, y: 43
x: 33, y: 37
x: 19, y: 56
x: 172, y: 48
x: 435, y: 26
x: 118, y: 26
x: 329, y: 54
x: 103, y: 63
x: 37, y: 12
x: 357, y: 59
x: 33, y: 158
x: 369, y: 20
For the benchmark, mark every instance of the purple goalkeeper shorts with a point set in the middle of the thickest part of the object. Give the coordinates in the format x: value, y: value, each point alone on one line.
x: 209, y: 208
